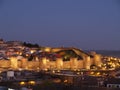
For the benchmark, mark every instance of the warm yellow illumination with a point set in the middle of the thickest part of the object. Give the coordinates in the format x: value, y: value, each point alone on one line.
x: 87, y: 62
x: 65, y: 81
x: 20, y: 69
x: 53, y: 71
x: 22, y: 83
x: 73, y: 63
x: 98, y: 73
x: 32, y: 51
x: 14, y: 62
x: 44, y: 60
x: 24, y: 63
x: 59, y: 63
x: 47, y: 49
x: 57, y: 80
x: 92, y: 73
x: 58, y: 70
x: 31, y: 82
x: 20, y: 53
x: 27, y: 55
x: 78, y: 73
x: 46, y: 69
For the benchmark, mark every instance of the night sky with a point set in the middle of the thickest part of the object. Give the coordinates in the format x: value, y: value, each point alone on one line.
x: 85, y: 24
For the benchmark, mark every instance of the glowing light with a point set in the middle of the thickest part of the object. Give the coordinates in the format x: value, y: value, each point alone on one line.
x: 78, y: 73
x: 45, y: 69
x: 92, y: 73
x: 65, y: 81
x: 14, y: 62
x: 98, y: 73
x: 58, y: 70
x: 53, y: 71
x: 32, y: 51
x: 31, y: 82
x: 47, y: 49
x: 22, y: 83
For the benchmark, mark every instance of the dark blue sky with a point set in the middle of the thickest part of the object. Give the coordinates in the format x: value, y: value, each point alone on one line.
x: 86, y: 24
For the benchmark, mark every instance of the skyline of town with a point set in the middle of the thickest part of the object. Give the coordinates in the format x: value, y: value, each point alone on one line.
x: 37, y: 44
x: 28, y: 64
x: 15, y: 53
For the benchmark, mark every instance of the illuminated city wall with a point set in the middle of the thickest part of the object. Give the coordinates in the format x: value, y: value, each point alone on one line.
x: 52, y: 65
x: 59, y: 63
x: 80, y: 64
x: 73, y: 63
x: 66, y: 65
x: 87, y: 62
x: 5, y: 64
x: 97, y: 60
x: 45, y: 63
x: 33, y: 64
x: 24, y: 63
x: 14, y: 62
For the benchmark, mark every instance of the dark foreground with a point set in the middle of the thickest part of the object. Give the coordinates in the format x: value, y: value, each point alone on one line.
x: 52, y: 86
